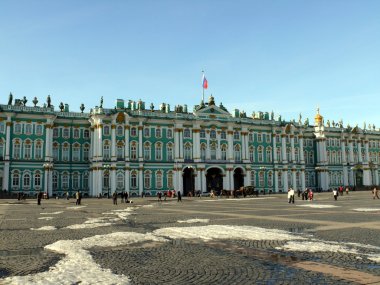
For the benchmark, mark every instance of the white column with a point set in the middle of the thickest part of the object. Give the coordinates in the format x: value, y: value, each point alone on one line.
x: 294, y: 179
x: 127, y: 178
x: 113, y: 142
x: 91, y: 189
x: 180, y: 180
x: 126, y: 142
x: 351, y: 177
x: 351, y: 151
x: 243, y: 146
x: 176, y: 144
x: 232, y: 180
x: 360, y: 151
x: 208, y: 154
x: 91, y: 154
x: 181, y: 143
x: 198, y: 180
x: 283, y: 148
x: 285, y: 178
x: 8, y: 139
x: 343, y: 150
x: 345, y: 175
x: 275, y: 158
x: 113, y: 178
x: 195, y: 145
x: 276, y: 181
x: 376, y: 176
x: 46, y: 180
x: 6, y: 176
x: 247, y: 178
x: 302, y: 157
x: 100, y: 142
x: 218, y: 149
x: 230, y: 155
x: 141, y: 181
x: 47, y: 142
x: 292, y: 149
x: 366, y: 151
x: 140, y: 156
x: 204, y: 186
x: 100, y: 180
x: 303, y: 181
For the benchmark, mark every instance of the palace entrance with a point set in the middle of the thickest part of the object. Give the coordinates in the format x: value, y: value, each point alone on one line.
x: 238, y: 178
x: 214, y: 180
x: 188, y: 181
x: 359, y: 178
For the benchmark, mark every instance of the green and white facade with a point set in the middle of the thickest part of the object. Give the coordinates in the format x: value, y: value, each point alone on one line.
x: 145, y: 150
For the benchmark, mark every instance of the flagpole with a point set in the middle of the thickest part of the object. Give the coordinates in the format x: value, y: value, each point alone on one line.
x: 203, y: 93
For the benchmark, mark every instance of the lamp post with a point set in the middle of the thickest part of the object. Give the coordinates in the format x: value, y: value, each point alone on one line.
x: 106, y: 168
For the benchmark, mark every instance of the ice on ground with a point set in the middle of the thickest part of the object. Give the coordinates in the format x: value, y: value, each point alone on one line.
x: 75, y: 207
x: 46, y: 218
x: 53, y: 213
x: 45, y: 228
x: 319, y: 206
x: 78, y: 267
x: 190, y: 221
x: 233, y: 199
x: 374, y: 257
x: 367, y: 209
x: 225, y: 232
x: 316, y: 246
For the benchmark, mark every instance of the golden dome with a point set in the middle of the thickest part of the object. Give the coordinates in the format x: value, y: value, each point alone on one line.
x: 318, y: 118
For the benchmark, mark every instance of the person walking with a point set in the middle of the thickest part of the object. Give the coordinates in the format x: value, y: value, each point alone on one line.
x: 375, y: 193
x: 311, y: 195
x: 291, y: 195
x: 159, y: 196
x: 39, y: 197
x: 347, y: 189
x: 122, y: 197
x: 126, y: 197
x: 77, y: 198
x: 114, y: 198
x: 179, y: 196
x: 335, y: 193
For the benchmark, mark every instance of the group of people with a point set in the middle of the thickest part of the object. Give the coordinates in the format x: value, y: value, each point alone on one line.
x: 123, y: 195
x: 169, y: 194
x: 307, y: 194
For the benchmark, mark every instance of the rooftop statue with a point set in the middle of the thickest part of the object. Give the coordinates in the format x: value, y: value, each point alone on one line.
x: 48, y: 100
x: 24, y: 101
x: 10, y: 99
x: 101, y: 102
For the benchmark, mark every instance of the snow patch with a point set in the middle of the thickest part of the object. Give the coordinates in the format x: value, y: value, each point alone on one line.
x: 374, y: 257
x: 45, y: 228
x: 367, y: 209
x: 46, y: 218
x: 225, y: 232
x: 190, y: 221
x: 75, y: 207
x: 318, y: 206
x: 316, y: 246
x: 53, y: 213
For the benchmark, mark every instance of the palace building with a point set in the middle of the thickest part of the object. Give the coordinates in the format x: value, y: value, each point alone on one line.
x: 145, y: 150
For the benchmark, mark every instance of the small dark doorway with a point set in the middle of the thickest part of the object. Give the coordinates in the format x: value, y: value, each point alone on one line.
x: 188, y: 181
x: 359, y: 178
x: 238, y: 178
x: 214, y: 180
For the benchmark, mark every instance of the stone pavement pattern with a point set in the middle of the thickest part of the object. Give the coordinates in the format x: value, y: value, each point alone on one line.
x: 195, y: 260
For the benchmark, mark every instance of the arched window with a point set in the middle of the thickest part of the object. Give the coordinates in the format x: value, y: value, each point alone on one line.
x: 133, y: 132
x: 28, y: 129
x: 270, y: 179
x: 298, y: 180
x: 253, y: 178
x: 106, y: 150
x: 55, y: 180
x: 16, y: 179
x: 279, y: 154
x: 280, y: 180
x: 86, y: 134
x: 250, y: 137
x: 147, y: 179
x: 39, y: 130
x: 147, y: 132
x: 75, y: 181
x: 76, y: 133
x: 306, y: 157
x: 186, y: 133
x: 296, y: 154
x: 38, y: 150
x: 26, y: 180
x: 251, y: 154
x: 66, y: 133
x: 188, y: 151
x: 147, y: 151
x: 37, y: 180
x: 133, y: 151
x: 237, y: 153
x: 169, y: 152
x: 17, y: 149
x: 223, y: 152
x: 203, y: 151
x: 260, y: 155
x: 213, y: 151
x: 76, y: 152
x: 65, y: 181
x: 120, y: 181
x: 311, y: 157
x: 289, y: 154
x: 27, y: 149
x: 106, y: 130
x: 268, y: 154
x: 223, y: 135
x: 158, y: 133
x: 261, y: 179
x: 1, y: 149
x: 236, y: 135
x: 55, y: 151
x: 120, y: 150
x: 159, y: 179
x: 119, y: 131
x: 212, y: 134
x: 86, y: 151
x: 170, y: 179
x: 158, y: 151
x: 85, y: 181
x: 134, y: 180
x: 169, y: 133
x: 106, y: 179
x: 65, y: 152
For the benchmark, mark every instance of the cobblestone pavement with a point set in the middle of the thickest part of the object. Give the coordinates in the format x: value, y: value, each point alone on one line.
x: 261, y: 240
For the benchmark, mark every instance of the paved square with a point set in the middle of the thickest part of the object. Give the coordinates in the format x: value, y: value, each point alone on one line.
x: 261, y: 240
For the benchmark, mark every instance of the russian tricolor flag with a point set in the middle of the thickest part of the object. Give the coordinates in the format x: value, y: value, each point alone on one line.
x: 204, y: 82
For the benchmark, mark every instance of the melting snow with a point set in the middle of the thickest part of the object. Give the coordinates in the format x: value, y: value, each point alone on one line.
x: 75, y: 207
x: 367, y: 209
x: 45, y: 228
x: 318, y: 206
x: 315, y: 246
x: 46, y: 218
x: 54, y: 213
x: 190, y: 221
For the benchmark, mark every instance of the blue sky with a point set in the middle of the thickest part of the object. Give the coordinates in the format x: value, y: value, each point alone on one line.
x: 285, y: 56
